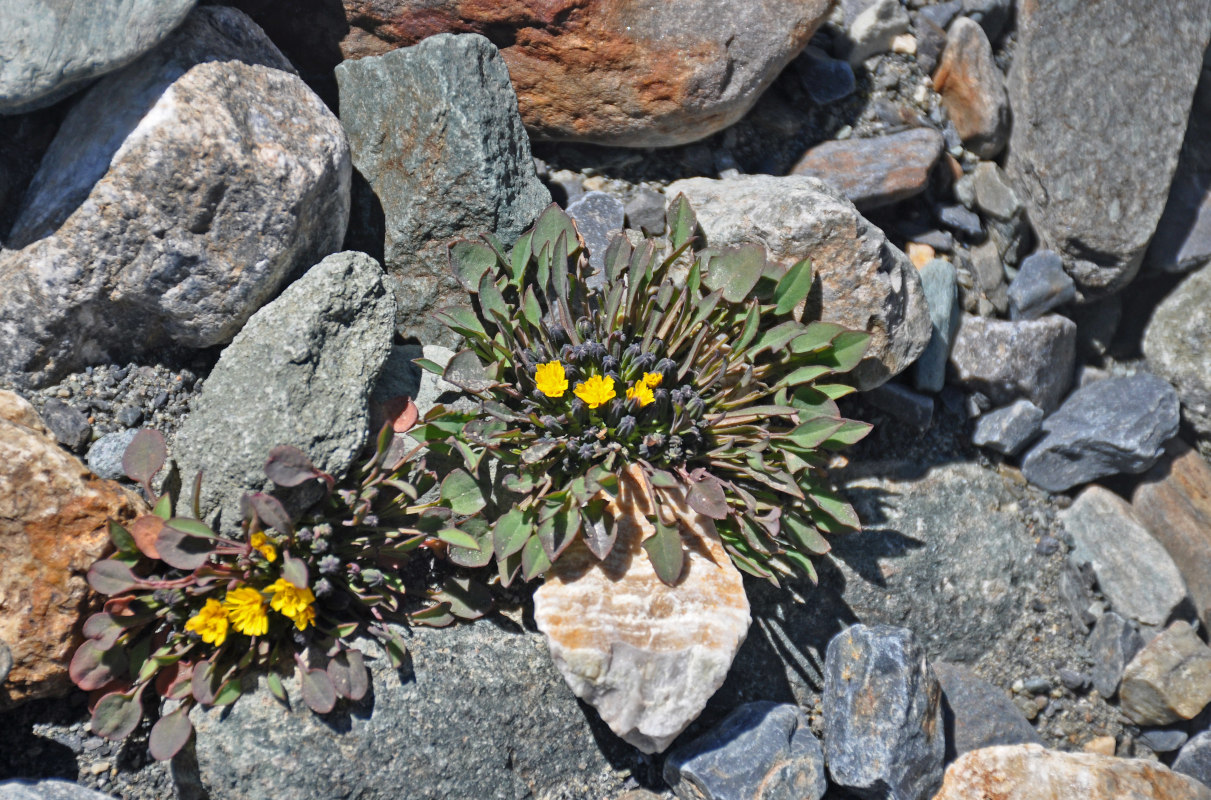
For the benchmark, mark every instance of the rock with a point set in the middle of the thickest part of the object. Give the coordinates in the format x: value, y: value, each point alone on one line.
x: 645, y: 211
x: 53, y: 525
x: 1177, y: 343
x: 55, y: 47
x: 877, y: 171
x: 47, y: 789
x: 1094, y: 173
x: 941, y: 14
x: 1040, y: 285
x: 1183, y: 236
x: 598, y: 218
x: 105, y: 456
x: 760, y: 750
x: 1163, y: 741
x: 1076, y: 591
x: 872, y: 31
x: 1007, y: 430
x: 173, y: 203
x: 1174, y: 504
x: 1112, y: 644
x: 826, y: 80
x: 1009, y: 360
x: 991, y: 14
x: 865, y: 282
x: 1075, y: 681
x: 977, y: 714
x: 919, y: 254
x: 1108, y: 427
x: 960, y: 219
x: 973, y: 90
x: 1028, y: 772
x: 902, y: 403
x: 1100, y: 745
x: 69, y: 425
x: 1133, y: 570
x: 931, y: 41
x: 412, y: 735
x: 1169, y: 679
x: 1195, y: 758
x: 6, y: 661
x: 614, y: 72
x: 938, y: 281
x: 883, y: 734
x: 434, y: 131
x: 646, y: 655
x: 993, y: 192
x: 990, y: 275
x: 299, y: 373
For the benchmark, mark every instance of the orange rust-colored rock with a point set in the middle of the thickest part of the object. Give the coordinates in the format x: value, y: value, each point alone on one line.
x: 53, y: 525
x: 620, y: 72
x: 647, y: 656
x: 1028, y: 772
x: 973, y: 90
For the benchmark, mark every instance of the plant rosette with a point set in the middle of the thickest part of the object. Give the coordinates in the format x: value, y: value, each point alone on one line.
x: 190, y: 614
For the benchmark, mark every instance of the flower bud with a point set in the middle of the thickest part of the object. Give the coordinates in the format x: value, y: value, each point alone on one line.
x: 372, y: 577
x: 584, y: 327
x: 578, y: 409
x: 626, y: 427
x: 565, y: 352
x: 695, y: 408
x: 304, y: 535
x: 610, y: 364
x: 323, y: 587
x: 645, y: 361
x: 585, y: 451
x: 557, y: 333
x: 330, y: 565
x: 597, y: 351
x: 656, y: 347
x: 323, y: 530
x: 667, y: 367
x: 631, y: 353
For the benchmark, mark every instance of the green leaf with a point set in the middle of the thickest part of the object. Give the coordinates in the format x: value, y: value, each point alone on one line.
x: 835, y: 391
x: 482, y: 554
x: 851, y: 431
x: 169, y: 734
x: 163, y: 508
x: 467, y: 597
x: 470, y: 262
x: 832, y: 505
x: 617, y: 257
x: 462, y: 493
x: 665, y: 552
x: 122, y: 540
x: 804, y: 535
x: 552, y: 222
x: 110, y: 577
x: 803, y: 564
x: 429, y: 366
x: 598, y: 531
x: 558, y: 531
x: 318, y: 692
x: 776, y: 337
x: 682, y: 223
x: 519, y: 258
x: 490, y: 298
x: 191, y: 527
x: 804, y: 375
x: 466, y: 371
x: 510, y: 532
x: 459, y: 539
x: 811, y: 433
x: 817, y: 337
x: 736, y: 271
x: 793, y: 287
x: 461, y: 320
x: 435, y: 616
x: 274, y: 682
x: 848, y: 349
x: 117, y: 714
x: 534, y: 560
x: 531, y: 312
x: 179, y: 549
x: 228, y: 693
x: 812, y: 403
x: 752, y: 322
x: 397, y: 650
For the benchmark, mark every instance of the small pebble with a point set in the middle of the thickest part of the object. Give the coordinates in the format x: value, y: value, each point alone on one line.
x: 1038, y: 685
x: 1100, y: 745
x: 1047, y: 545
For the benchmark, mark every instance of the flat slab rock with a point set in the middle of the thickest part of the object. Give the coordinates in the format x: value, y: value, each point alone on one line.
x: 646, y: 655
x: 1029, y: 772
x: 876, y: 171
x: 1169, y: 680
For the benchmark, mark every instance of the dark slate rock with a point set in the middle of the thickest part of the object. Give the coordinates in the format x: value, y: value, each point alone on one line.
x: 1007, y: 430
x: 1160, y: 740
x: 1007, y: 360
x: 1073, y: 118
x: 130, y: 416
x: 931, y: 41
x: 1108, y: 427
x: 977, y: 714
x: 645, y: 211
x: 912, y: 408
x: 938, y: 281
x: 825, y: 79
x: 1041, y: 285
x: 434, y: 131
x: 1075, y: 680
x: 876, y: 171
x: 47, y: 789
x: 942, y: 13
x: 105, y: 455
x: 68, y: 424
x: 942, y: 241
x: 479, y: 712
x: 883, y: 732
x: 599, y: 218
x: 299, y: 373
x: 1076, y: 592
x: 1113, y: 643
x: 761, y: 751
x: 54, y: 47
x: 1177, y: 343
x: 1013, y: 238
x: 1195, y: 758
x: 958, y: 218
x: 1183, y: 235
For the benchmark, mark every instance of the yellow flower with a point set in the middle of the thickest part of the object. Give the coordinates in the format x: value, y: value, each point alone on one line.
x: 551, y: 379
x: 210, y: 623
x: 246, y: 609
x: 596, y: 390
x: 304, y: 618
x: 652, y: 379
x: 290, y: 600
x: 641, y: 392
x: 260, y: 542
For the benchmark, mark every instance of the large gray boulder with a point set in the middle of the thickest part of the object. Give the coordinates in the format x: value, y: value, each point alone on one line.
x: 1094, y: 171
x: 54, y: 47
x: 299, y: 373
x: 178, y: 195
x: 479, y: 712
x: 865, y: 282
x: 435, y: 133
x: 1177, y: 343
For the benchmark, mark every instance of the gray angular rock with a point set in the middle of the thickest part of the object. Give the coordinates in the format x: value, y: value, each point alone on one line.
x: 1183, y: 235
x: 977, y: 714
x: 994, y: 193
x: 761, y: 750
x: 105, y: 455
x: 938, y: 281
x: 1040, y: 285
x: 865, y: 282
x: 960, y: 219
x: 178, y: 195
x: 1107, y: 427
x: 973, y: 89
x: 1007, y: 430
x: 825, y: 79
x: 299, y: 373
x: 435, y: 133
x: 1133, y: 570
x: 645, y: 211
x: 1177, y: 343
x: 1169, y: 679
x: 1195, y: 758
x: 989, y: 272
x: 871, y: 31
x: 902, y: 403
x: 54, y: 47
x: 1007, y: 360
x: 69, y: 424
x: 1163, y: 741
x: 598, y: 218
x: 48, y: 789
x: 883, y: 733
x: 1094, y: 174
x: 512, y: 729
x: 876, y: 171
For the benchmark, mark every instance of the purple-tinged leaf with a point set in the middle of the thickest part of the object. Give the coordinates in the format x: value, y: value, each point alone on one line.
x: 169, y: 734
x: 202, y: 682
x: 93, y: 666
x: 179, y: 549
x: 111, y: 577
x: 707, y: 498
x: 347, y: 670
x: 144, y: 456
x: 294, y: 570
x: 118, y: 714
x: 468, y: 598
x: 665, y: 552
x: 271, y: 512
x: 435, y: 616
x: 318, y: 692
x: 289, y: 466
x: 534, y: 559
x: 598, y: 531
